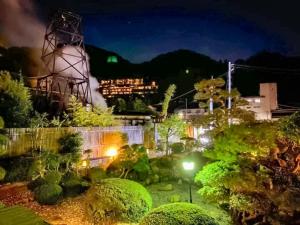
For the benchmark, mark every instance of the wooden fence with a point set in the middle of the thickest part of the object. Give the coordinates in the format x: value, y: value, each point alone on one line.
x: 98, y: 139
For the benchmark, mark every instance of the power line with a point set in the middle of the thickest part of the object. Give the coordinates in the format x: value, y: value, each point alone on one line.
x: 267, y: 69
x: 193, y: 90
x: 289, y: 106
x: 184, y: 94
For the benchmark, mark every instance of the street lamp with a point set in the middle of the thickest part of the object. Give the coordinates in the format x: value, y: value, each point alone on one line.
x: 189, y: 166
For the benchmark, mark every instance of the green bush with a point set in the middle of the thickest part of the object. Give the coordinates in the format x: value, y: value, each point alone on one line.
x: 71, y: 143
x: 96, y: 174
x: 53, y: 177
x: 178, y: 214
x: 2, y: 173
x: 116, y: 199
x: 177, y: 147
x: 48, y: 193
x: 36, y: 183
x: 73, y: 185
x: 17, y: 169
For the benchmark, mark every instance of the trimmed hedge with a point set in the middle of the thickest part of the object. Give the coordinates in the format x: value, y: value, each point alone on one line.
x: 48, y: 193
x: 178, y: 214
x: 116, y: 199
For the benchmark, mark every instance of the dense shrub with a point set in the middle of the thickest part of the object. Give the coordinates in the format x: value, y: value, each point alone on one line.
x: 36, y: 183
x: 17, y: 169
x: 2, y: 173
x: 48, y: 193
x: 71, y: 143
x: 178, y: 214
x: 53, y: 177
x: 73, y: 185
x: 177, y: 147
x: 96, y: 174
x: 116, y: 199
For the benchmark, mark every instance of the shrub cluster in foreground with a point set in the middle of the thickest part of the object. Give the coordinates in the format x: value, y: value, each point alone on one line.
x: 178, y: 214
x: 116, y: 199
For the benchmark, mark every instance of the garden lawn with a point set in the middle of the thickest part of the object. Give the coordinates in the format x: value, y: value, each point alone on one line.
x: 163, y: 197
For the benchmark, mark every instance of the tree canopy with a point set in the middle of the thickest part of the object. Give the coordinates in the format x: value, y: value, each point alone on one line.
x: 254, y: 172
x: 15, y: 103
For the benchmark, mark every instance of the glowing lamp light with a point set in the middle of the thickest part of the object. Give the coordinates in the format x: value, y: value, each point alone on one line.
x: 112, y: 152
x: 188, y: 165
x: 84, y: 163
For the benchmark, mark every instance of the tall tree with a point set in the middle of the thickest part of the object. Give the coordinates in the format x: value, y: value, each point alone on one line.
x: 168, y: 96
x: 172, y: 126
x: 220, y: 118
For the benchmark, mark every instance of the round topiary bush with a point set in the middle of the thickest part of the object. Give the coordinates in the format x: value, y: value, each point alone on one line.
x: 2, y: 173
x: 48, y: 193
x: 53, y: 177
x: 116, y: 199
x: 178, y: 214
x: 73, y: 184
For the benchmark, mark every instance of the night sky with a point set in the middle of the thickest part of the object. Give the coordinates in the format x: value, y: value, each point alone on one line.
x: 139, y: 30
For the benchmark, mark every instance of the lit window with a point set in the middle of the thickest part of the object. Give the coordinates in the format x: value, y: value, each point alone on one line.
x: 257, y: 100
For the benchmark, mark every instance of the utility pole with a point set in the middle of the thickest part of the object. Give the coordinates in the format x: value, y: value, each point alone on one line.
x: 211, y: 103
x: 186, y: 106
x: 229, y: 84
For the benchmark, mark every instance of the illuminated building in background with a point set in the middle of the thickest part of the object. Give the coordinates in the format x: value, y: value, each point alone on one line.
x: 263, y: 105
x: 128, y: 86
x: 112, y: 59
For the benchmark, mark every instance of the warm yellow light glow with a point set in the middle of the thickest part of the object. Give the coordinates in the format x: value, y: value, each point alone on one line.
x: 111, y: 152
x: 84, y: 163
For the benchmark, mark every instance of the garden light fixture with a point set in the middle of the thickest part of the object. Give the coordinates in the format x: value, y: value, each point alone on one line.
x: 189, y: 166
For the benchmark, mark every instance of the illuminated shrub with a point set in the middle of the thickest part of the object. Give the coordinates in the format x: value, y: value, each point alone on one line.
x: 116, y: 199
x: 178, y: 214
x: 53, y: 177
